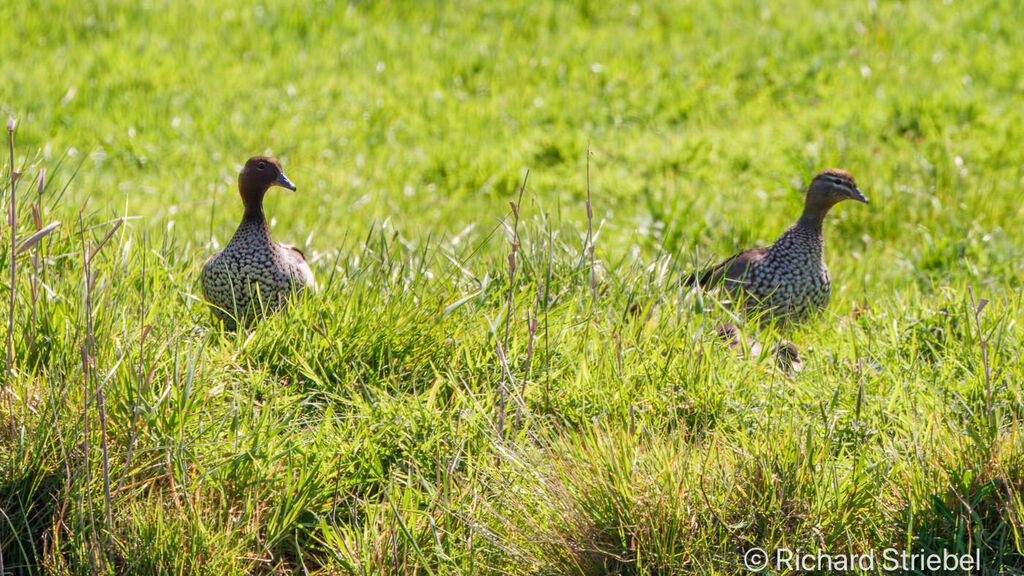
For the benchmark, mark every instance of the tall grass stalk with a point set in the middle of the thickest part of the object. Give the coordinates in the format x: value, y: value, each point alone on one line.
x: 37, y: 220
x: 531, y: 327
x: 590, y: 233
x: 506, y: 380
x: 12, y: 221
x: 977, y: 306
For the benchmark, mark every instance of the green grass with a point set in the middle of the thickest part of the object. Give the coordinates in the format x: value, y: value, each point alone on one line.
x: 358, y: 431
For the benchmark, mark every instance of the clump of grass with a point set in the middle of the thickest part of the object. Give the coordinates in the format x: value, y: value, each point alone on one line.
x: 356, y: 432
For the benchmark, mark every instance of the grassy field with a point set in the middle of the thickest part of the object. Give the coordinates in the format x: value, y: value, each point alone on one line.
x: 430, y: 411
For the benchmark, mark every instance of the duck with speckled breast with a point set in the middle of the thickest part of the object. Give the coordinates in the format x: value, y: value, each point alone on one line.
x: 788, y: 281
x: 253, y: 275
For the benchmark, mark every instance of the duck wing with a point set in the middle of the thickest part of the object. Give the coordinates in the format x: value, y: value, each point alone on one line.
x: 731, y: 271
x: 295, y: 259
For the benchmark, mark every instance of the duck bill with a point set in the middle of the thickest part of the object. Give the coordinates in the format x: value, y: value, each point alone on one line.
x: 284, y: 182
x: 855, y: 195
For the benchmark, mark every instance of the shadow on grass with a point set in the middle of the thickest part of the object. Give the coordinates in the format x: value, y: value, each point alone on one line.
x: 979, y: 512
x: 29, y: 500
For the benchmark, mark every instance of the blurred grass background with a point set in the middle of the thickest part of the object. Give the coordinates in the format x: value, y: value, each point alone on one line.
x: 700, y: 115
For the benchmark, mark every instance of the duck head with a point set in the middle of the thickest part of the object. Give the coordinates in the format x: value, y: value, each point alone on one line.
x: 829, y: 188
x: 258, y: 175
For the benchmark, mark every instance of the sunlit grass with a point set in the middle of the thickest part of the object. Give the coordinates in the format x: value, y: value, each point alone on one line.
x: 360, y: 431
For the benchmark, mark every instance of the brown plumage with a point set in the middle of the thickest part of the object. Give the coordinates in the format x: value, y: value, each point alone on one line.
x: 787, y: 281
x: 254, y: 275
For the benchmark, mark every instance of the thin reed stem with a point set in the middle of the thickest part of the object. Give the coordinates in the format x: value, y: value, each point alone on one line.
x: 13, y: 222
x: 590, y: 232
x: 502, y: 353
x: 976, y: 308
x: 37, y: 218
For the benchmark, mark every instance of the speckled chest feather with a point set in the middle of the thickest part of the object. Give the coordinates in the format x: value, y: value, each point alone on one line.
x: 791, y: 281
x: 252, y: 276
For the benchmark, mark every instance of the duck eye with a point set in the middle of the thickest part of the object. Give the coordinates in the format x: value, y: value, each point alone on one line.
x: 261, y: 165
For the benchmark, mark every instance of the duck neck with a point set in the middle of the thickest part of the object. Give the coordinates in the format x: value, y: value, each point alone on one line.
x: 814, y: 215
x: 811, y: 221
x: 253, y: 202
x: 254, y: 214
x: 254, y: 223
x: 808, y: 233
